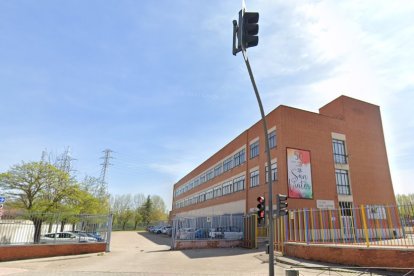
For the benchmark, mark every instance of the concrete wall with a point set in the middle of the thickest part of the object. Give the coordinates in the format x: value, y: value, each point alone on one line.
x: 352, y: 255
x: 19, y: 252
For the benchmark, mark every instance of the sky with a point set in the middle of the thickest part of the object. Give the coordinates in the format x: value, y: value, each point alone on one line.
x: 156, y: 82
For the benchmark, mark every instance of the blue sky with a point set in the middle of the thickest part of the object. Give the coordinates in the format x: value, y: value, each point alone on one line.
x: 155, y: 81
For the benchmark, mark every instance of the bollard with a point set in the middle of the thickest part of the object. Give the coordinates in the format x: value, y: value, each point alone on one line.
x: 292, y: 272
x: 267, y: 248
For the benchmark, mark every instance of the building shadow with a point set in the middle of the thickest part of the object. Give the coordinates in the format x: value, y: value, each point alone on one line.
x: 160, y: 239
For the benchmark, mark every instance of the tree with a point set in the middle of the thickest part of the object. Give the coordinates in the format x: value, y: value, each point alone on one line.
x: 159, y: 210
x: 39, y: 188
x: 146, y: 211
x: 138, y: 202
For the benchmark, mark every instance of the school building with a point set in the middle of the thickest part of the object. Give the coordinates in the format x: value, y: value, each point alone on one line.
x: 332, y: 159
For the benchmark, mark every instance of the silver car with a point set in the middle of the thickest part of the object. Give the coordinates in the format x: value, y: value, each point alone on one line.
x: 65, y: 237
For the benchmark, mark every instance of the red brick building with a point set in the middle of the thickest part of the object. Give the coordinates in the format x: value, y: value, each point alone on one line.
x: 334, y: 158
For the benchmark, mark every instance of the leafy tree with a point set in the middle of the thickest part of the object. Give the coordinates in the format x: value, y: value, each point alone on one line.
x: 159, y: 210
x: 39, y: 188
x: 146, y: 211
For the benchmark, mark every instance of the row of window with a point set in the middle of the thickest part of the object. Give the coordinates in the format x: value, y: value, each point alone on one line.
x: 229, y: 163
x: 228, y: 187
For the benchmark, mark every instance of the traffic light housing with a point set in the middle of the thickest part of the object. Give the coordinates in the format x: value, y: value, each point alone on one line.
x: 282, y: 205
x: 246, y: 29
x: 261, y: 209
x: 250, y: 29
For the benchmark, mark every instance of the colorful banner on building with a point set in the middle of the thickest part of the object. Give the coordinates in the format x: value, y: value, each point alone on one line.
x: 299, y: 173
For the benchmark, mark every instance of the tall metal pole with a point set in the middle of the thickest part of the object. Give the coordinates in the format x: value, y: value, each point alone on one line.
x: 269, y: 171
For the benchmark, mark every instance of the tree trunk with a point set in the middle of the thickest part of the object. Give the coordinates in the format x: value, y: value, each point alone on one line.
x: 38, y: 229
x: 62, y: 225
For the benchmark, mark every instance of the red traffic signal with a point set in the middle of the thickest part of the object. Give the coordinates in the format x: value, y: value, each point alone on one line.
x: 261, y: 208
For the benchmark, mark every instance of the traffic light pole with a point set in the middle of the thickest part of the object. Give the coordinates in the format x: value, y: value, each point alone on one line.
x: 269, y: 166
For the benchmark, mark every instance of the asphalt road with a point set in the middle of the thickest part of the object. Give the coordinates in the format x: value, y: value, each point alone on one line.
x: 144, y: 253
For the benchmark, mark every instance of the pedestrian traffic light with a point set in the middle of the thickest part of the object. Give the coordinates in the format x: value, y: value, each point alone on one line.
x: 261, y: 209
x: 282, y: 205
x: 246, y: 30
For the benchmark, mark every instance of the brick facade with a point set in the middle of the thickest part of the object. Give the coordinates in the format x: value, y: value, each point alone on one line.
x: 355, y: 122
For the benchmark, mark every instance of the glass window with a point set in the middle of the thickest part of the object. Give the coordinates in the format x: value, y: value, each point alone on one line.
x: 218, y: 169
x: 209, y: 194
x: 210, y: 174
x: 202, y: 178
x: 254, y: 149
x: 227, y: 188
x: 254, y: 178
x: 217, y: 191
x: 274, y: 172
x: 272, y: 139
x: 238, y: 184
x: 227, y: 164
x: 339, y: 152
x: 239, y: 157
x: 342, y: 182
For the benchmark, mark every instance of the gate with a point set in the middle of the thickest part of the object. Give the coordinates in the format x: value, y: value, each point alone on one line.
x: 250, y: 231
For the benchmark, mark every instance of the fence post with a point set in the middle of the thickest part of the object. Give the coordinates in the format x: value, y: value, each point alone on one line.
x: 364, y: 222
x: 108, y: 234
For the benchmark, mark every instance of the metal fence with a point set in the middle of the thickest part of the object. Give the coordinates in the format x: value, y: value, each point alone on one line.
x: 30, y: 228
x: 369, y: 225
x: 228, y: 227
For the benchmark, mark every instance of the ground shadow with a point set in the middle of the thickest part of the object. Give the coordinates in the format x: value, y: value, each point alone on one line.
x: 160, y: 239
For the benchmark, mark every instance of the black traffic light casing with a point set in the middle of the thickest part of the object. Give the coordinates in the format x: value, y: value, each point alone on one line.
x: 282, y: 205
x: 261, y: 209
x: 250, y: 29
x: 246, y: 30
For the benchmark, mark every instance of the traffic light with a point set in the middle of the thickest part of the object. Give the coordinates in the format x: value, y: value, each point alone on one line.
x: 282, y: 205
x: 250, y: 29
x: 246, y: 29
x: 261, y: 209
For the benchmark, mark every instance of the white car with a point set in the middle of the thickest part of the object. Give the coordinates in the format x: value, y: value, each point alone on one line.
x: 65, y: 237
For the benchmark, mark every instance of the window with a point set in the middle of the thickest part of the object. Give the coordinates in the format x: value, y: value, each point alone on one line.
x: 339, y: 151
x: 238, y: 184
x: 202, y: 178
x: 254, y: 178
x: 239, y: 157
x: 254, y: 149
x: 196, y: 182
x: 227, y: 188
x: 274, y: 172
x: 217, y: 191
x: 227, y: 164
x: 342, y: 182
x: 209, y: 194
x: 210, y: 174
x: 218, y: 169
x: 201, y: 197
x: 272, y: 139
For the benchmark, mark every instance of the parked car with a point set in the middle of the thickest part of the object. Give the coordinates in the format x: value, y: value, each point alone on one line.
x: 157, y: 229
x: 65, y: 237
x: 165, y: 229
x: 95, y: 235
